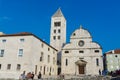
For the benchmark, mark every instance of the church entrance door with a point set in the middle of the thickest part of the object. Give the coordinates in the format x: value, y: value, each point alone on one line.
x: 81, y: 69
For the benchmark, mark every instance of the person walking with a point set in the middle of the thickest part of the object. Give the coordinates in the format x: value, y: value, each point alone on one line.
x: 39, y: 76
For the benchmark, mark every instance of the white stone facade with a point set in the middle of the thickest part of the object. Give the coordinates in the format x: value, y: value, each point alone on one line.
x: 26, y: 52
x: 81, y: 55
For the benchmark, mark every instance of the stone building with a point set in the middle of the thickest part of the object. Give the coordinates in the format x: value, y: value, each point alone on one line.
x: 112, y: 60
x: 26, y: 52
x: 81, y: 55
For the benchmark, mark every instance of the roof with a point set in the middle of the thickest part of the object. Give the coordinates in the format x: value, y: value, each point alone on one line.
x: 25, y: 34
x: 81, y: 33
x: 116, y: 51
x: 58, y: 13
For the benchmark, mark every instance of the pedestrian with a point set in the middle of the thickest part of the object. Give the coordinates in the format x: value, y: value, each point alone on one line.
x: 39, y: 76
x: 29, y: 76
x: 99, y: 72
x: 22, y: 76
x: 32, y: 75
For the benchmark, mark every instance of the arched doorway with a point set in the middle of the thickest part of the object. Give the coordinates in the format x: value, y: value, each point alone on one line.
x: 81, y: 66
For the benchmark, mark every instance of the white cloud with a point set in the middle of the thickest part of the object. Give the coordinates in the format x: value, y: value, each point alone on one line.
x: 4, y: 18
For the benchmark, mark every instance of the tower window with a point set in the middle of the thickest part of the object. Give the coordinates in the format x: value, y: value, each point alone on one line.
x: 58, y: 30
x: 54, y: 37
x: 54, y: 31
x: 58, y: 37
x: 56, y: 24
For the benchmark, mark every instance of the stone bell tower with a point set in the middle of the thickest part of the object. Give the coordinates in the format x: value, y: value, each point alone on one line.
x: 58, y: 30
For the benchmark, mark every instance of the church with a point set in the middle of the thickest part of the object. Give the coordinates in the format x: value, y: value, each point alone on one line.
x: 81, y: 55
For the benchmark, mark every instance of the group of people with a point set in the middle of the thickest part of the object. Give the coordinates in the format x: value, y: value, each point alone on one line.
x: 29, y: 76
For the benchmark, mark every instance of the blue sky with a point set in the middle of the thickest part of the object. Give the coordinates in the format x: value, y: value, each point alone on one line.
x: 100, y: 17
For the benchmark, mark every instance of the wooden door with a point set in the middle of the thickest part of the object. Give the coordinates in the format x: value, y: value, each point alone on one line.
x: 81, y: 69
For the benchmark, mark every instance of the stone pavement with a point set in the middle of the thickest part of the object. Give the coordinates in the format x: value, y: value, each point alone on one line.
x: 80, y: 77
x: 77, y: 77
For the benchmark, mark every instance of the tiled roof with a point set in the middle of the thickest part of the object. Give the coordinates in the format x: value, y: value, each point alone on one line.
x: 17, y: 34
x: 116, y: 51
x: 25, y: 34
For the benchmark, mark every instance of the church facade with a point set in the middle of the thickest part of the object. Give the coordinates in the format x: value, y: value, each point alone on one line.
x: 81, y: 55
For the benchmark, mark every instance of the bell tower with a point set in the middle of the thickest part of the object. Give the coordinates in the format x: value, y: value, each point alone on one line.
x: 58, y: 30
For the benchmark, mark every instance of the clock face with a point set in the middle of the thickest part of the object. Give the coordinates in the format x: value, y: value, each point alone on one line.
x: 81, y: 43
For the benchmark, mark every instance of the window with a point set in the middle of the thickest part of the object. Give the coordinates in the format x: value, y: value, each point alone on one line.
x: 1, y: 53
x: 42, y: 45
x: 53, y: 69
x: 18, y: 66
x: 20, y: 53
x: 53, y: 60
x: 81, y: 51
x: 54, y: 31
x: 41, y: 58
x: 81, y: 58
x: 59, y: 31
x: 66, y: 51
x: 50, y: 69
x: 22, y: 40
x: 47, y: 69
x: 56, y: 24
x: 53, y: 52
x: 48, y: 58
x: 4, y: 40
x: 40, y: 68
x: 116, y: 56
x: 97, y: 62
x: 74, y: 34
x: 66, y: 62
x: 54, y: 37
x: 97, y: 51
x: 58, y: 37
x: 48, y: 49
x: 8, y: 66
x: 0, y: 66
